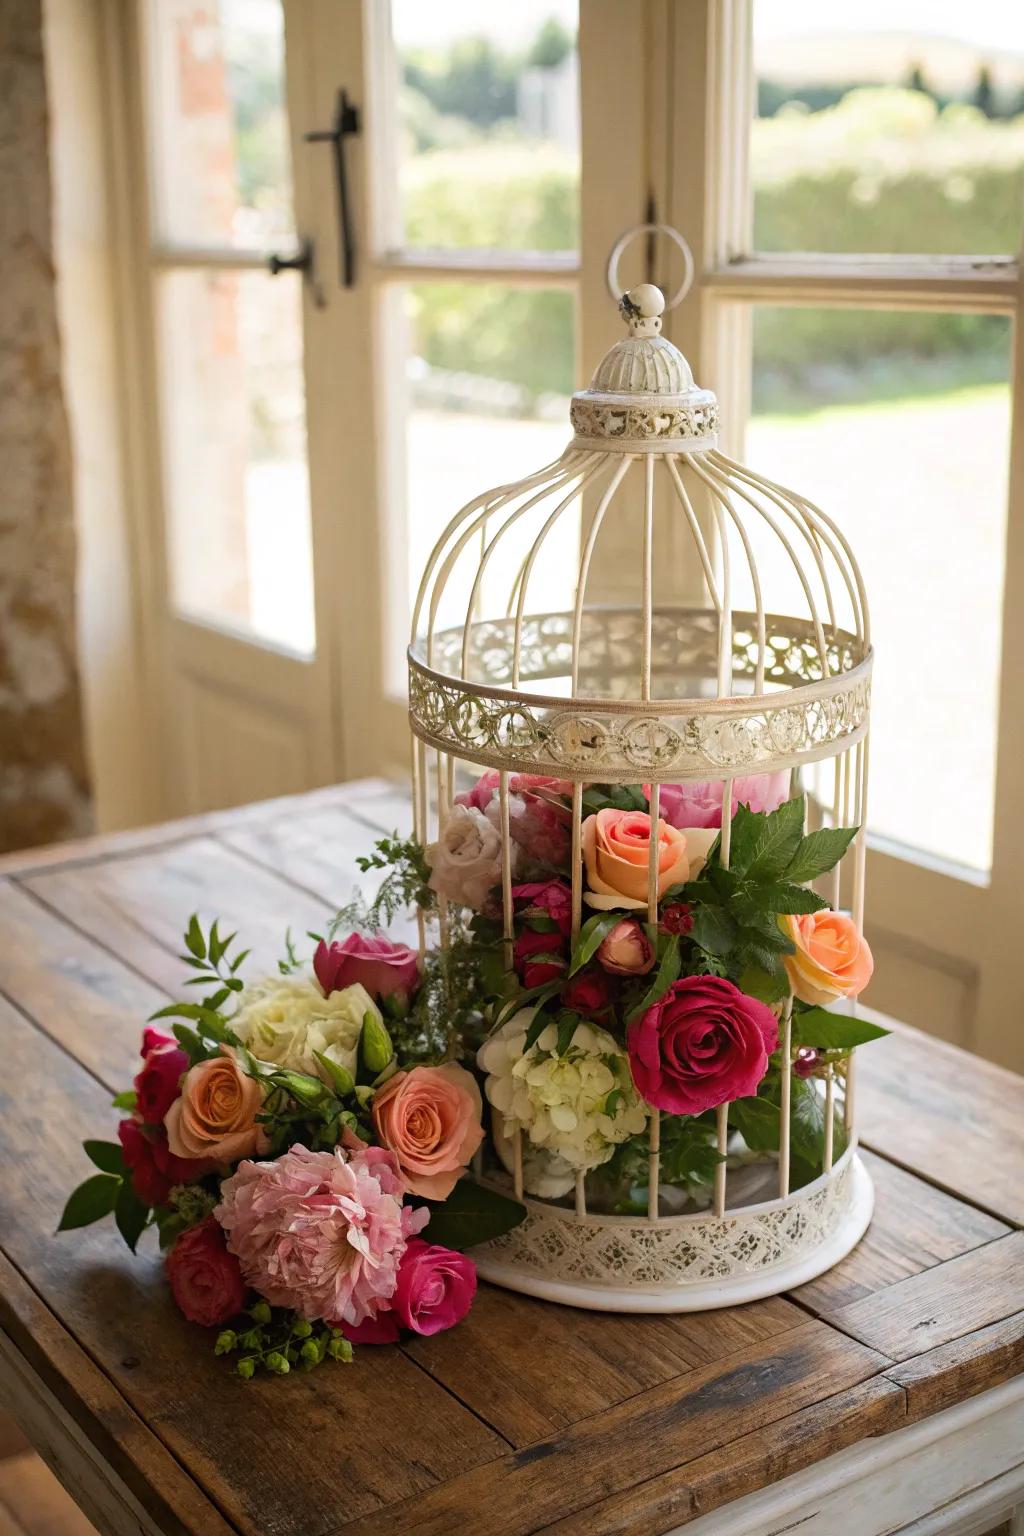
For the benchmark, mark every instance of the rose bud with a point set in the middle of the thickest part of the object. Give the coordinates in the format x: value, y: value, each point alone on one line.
x: 536, y: 957
x: 676, y: 918
x: 158, y: 1082
x: 626, y: 950
x: 553, y: 897
x: 807, y: 1060
x: 588, y: 993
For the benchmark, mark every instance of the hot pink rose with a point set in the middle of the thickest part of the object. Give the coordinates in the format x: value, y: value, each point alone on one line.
x: 158, y: 1083
x: 381, y: 966
x: 699, y: 804
x: 429, y: 1118
x: 626, y: 950
x: 153, y: 1167
x: 551, y: 896
x: 538, y: 957
x: 435, y: 1287
x: 206, y: 1281
x: 588, y: 993
x: 702, y: 1044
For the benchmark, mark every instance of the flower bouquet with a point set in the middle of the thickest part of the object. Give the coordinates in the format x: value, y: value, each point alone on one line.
x: 299, y: 1141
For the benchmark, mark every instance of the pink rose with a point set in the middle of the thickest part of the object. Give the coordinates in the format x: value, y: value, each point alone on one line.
x: 429, y: 1118
x: 435, y: 1287
x: 153, y: 1167
x: 533, y: 971
x: 588, y: 993
x: 382, y: 967
x: 465, y: 862
x: 158, y: 1082
x: 702, y: 1044
x: 699, y: 804
x: 626, y: 950
x: 539, y: 819
x: 554, y: 897
x: 206, y: 1281
x: 617, y: 851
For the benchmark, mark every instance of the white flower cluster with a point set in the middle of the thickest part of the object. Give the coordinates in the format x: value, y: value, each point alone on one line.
x: 574, y: 1105
x: 285, y: 1019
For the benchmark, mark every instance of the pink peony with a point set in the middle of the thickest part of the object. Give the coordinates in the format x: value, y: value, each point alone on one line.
x: 158, y: 1082
x: 540, y: 822
x: 626, y: 950
x: 538, y: 957
x: 429, y: 1118
x: 702, y: 1044
x: 699, y: 803
x: 382, y: 967
x: 554, y: 897
x: 206, y: 1281
x: 153, y: 1167
x: 323, y: 1232
x: 435, y: 1287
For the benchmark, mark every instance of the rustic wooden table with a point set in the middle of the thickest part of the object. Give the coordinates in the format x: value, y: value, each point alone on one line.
x: 880, y: 1397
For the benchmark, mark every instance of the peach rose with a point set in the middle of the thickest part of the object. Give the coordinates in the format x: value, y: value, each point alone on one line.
x: 215, y: 1117
x: 616, y: 851
x: 430, y: 1119
x: 832, y: 959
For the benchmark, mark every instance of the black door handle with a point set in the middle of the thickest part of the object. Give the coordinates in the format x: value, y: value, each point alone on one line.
x: 302, y: 261
x: 346, y: 123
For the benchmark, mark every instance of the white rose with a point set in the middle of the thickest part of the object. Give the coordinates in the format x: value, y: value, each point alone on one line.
x: 465, y: 862
x: 580, y: 1103
x: 285, y: 1019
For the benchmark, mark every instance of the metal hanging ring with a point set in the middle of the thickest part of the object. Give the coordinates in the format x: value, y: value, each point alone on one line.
x: 614, y: 286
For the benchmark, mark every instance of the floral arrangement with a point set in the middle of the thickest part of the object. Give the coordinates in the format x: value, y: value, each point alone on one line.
x: 299, y: 1141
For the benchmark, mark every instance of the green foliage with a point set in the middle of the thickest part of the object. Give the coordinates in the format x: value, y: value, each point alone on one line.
x: 91, y: 1201
x: 130, y: 1213
x: 620, y: 797
x: 669, y: 967
x: 832, y: 1031
x: 472, y: 1214
x: 591, y: 936
x: 107, y: 1155
x: 277, y: 1340
x: 404, y: 886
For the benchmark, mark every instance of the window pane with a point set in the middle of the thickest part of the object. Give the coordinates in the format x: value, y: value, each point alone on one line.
x: 235, y: 452
x: 488, y: 106
x: 488, y: 374
x: 897, y: 425
x: 222, y: 169
x: 888, y: 125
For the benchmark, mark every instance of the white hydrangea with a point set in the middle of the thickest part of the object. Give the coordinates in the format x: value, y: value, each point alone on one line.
x: 284, y: 1019
x: 579, y: 1104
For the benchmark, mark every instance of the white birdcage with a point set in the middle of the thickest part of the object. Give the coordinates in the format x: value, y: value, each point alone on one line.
x: 715, y: 684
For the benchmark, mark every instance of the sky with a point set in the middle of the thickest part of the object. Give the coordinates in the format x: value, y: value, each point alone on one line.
x: 995, y: 24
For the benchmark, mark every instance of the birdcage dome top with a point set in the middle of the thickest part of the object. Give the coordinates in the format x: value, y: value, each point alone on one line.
x: 724, y: 657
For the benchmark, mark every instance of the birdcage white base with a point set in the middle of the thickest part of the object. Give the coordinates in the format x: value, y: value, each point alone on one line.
x: 683, y: 1263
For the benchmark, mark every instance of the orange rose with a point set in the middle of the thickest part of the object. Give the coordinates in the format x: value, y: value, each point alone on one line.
x: 215, y: 1117
x: 430, y: 1119
x: 616, y: 851
x: 832, y: 959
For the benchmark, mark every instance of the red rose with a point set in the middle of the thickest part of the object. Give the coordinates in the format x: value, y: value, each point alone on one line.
x: 158, y: 1083
x: 382, y: 967
x: 533, y: 972
x: 588, y: 993
x: 153, y: 1167
x: 626, y: 950
x: 677, y: 917
x: 435, y: 1287
x: 206, y: 1280
x: 382, y: 1329
x: 551, y: 896
x: 702, y: 1044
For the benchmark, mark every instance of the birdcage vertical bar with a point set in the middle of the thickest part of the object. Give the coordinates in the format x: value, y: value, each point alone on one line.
x: 722, y: 1114
x: 442, y: 770
x: 419, y: 830
x: 785, y: 1096
x: 508, y: 927
x: 653, y: 870
x: 581, y: 1193
x: 839, y: 768
x: 517, y: 1162
x: 830, y: 1098
x: 859, y: 859
x: 647, y: 581
x: 577, y: 861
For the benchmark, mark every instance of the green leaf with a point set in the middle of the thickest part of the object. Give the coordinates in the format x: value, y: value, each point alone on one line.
x: 90, y: 1202
x: 782, y: 897
x: 212, y: 1022
x: 819, y: 852
x: 216, y: 947
x: 713, y: 929
x: 238, y: 960
x: 743, y: 834
x: 538, y: 995
x: 126, y: 1100
x: 107, y: 1155
x: 567, y: 1027
x: 666, y: 974
x: 766, y: 986
x: 540, y: 922
x: 538, y: 1024
x: 833, y: 1031
x: 591, y: 935
x: 807, y: 1124
x: 130, y: 1214
x: 194, y: 941
x: 472, y: 1214
x: 757, y: 1121
x: 306, y: 1090
x: 341, y: 1079
x: 775, y: 840
x: 375, y: 1048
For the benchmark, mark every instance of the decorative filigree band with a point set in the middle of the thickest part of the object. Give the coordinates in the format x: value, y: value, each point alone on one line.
x: 695, y: 424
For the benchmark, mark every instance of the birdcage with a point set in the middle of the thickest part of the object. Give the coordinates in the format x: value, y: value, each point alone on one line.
x: 737, y: 653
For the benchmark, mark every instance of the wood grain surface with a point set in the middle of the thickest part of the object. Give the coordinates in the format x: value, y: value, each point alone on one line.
x: 529, y: 1417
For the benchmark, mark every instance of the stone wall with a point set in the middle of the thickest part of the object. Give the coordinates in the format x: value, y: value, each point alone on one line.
x: 44, y: 791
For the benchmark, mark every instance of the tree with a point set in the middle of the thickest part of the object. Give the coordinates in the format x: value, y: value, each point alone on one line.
x: 916, y: 81
x: 552, y: 44
x: 984, y: 94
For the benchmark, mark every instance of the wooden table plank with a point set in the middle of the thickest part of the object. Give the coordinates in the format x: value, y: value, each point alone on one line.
x: 382, y: 1429
x: 645, y: 1436
x: 954, y: 1119
x: 933, y: 1308
x: 952, y: 1372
